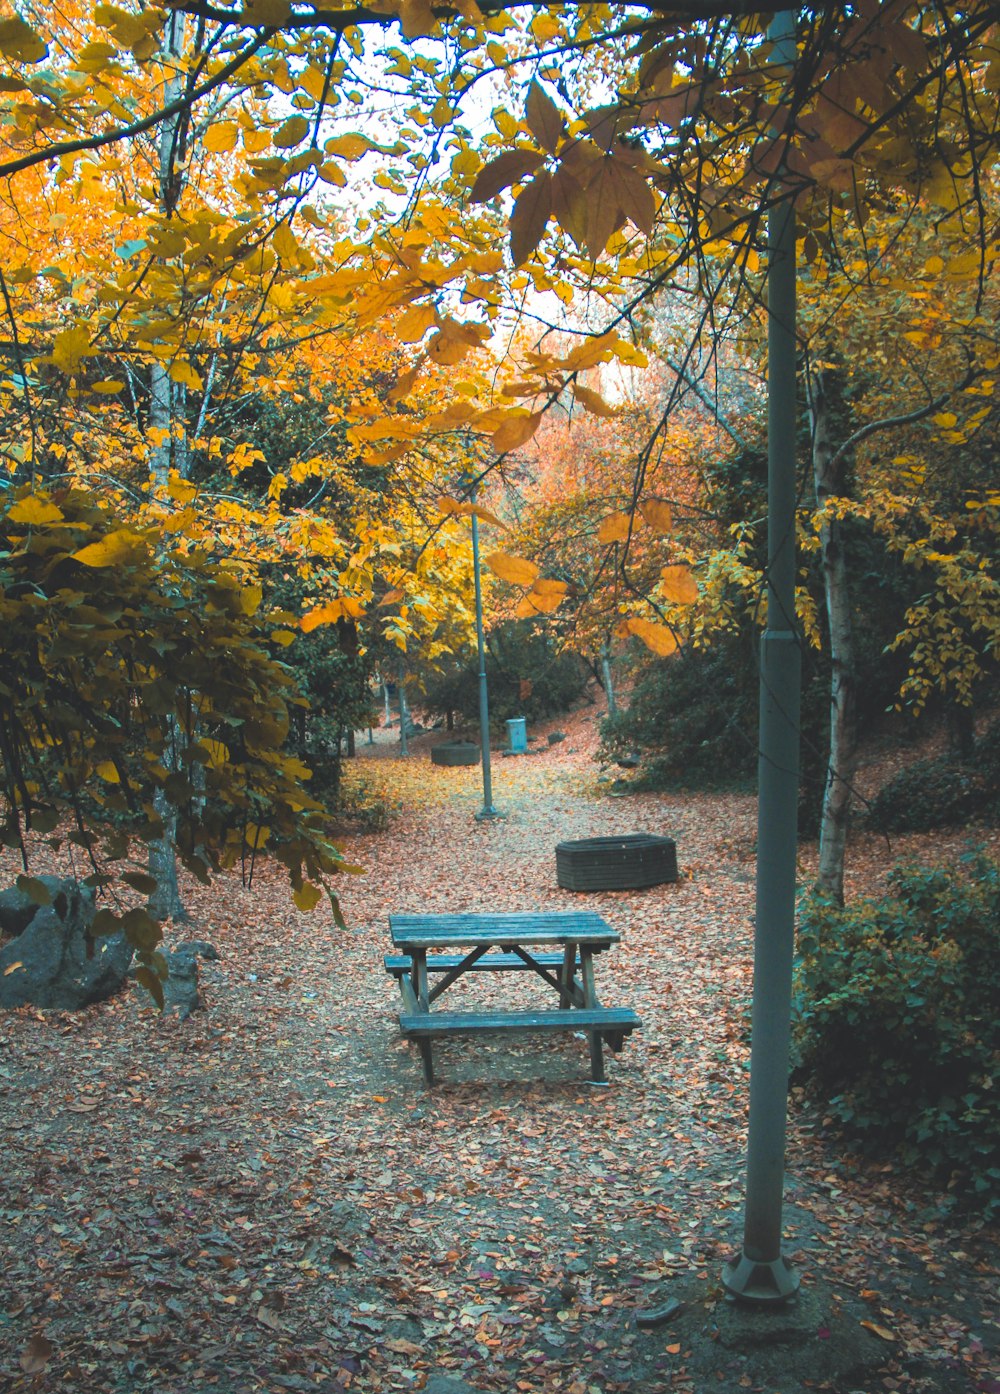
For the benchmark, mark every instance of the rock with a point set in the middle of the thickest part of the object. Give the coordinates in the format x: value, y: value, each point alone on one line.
x: 52, y: 962
x: 180, y: 990
x: 554, y: 737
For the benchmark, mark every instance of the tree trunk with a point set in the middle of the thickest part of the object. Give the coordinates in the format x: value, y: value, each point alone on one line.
x: 167, y: 403
x: 829, y: 475
x: 609, y: 687
x: 404, y: 717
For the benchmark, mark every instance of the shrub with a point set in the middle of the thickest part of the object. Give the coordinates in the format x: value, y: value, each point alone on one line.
x: 942, y: 792
x: 526, y: 675
x: 895, y: 1023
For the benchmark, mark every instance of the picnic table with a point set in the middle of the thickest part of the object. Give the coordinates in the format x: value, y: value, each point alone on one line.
x: 559, y: 947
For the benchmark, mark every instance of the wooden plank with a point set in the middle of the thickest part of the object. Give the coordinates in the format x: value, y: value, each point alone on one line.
x: 399, y: 964
x: 571, y: 1019
x: 452, y: 976
x: 441, y: 931
x: 409, y: 996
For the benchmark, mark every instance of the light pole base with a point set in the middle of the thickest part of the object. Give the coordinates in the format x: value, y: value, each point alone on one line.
x: 486, y: 814
x: 747, y: 1280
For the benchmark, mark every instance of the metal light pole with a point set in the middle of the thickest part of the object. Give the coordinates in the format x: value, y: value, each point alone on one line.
x: 762, y: 1274
x: 487, y: 810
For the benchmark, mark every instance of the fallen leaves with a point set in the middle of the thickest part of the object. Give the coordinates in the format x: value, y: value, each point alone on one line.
x: 265, y: 1198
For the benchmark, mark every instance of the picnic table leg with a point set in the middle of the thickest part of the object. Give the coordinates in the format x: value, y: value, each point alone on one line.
x: 587, y: 973
x: 596, y: 1059
x: 427, y: 1058
x: 420, y: 977
x: 566, y: 976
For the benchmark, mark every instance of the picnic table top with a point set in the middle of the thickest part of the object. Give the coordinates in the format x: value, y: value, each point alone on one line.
x: 542, y: 927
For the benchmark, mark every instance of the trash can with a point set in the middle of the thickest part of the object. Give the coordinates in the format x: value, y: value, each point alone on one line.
x: 517, y: 734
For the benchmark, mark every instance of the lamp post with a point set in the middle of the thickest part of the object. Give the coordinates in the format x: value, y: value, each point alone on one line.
x: 487, y: 810
x: 761, y: 1274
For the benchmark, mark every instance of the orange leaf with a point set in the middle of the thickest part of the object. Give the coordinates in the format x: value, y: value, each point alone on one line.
x: 517, y: 570
x: 538, y: 603
x: 657, y: 514
x: 550, y: 586
x: 658, y: 637
x: 515, y: 430
x: 615, y: 528
x: 678, y: 584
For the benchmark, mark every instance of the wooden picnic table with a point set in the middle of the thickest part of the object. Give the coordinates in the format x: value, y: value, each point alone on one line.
x: 558, y: 947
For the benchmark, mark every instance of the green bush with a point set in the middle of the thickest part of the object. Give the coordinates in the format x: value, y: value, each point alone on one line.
x: 895, y: 1024
x: 942, y: 792
x: 527, y: 675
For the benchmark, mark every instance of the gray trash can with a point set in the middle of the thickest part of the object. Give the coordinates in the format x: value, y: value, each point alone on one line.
x: 517, y: 734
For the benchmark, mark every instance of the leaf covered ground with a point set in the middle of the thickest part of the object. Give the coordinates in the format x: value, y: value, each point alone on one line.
x: 265, y: 1197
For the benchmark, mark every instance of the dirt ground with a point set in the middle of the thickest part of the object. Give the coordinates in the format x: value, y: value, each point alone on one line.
x: 266, y: 1197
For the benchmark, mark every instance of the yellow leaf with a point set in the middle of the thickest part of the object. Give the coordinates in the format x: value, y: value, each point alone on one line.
x: 517, y: 570
x: 250, y: 598
x: 108, y: 771
x: 478, y: 511
x: 593, y: 401
x: 414, y: 323
x: 946, y: 419
x: 349, y: 147
x: 12, y: 968
x: 658, y: 637
x: 217, y: 752
x: 531, y: 605
x: 221, y: 136
x: 332, y: 174
x: 20, y: 42
x: 284, y: 637
x: 403, y: 384
x: 308, y: 896
x: 615, y: 528
x: 181, y: 371
x: 657, y: 514
x: 515, y: 430
x: 290, y: 132
x: 69, y: 347
x: 882, y: 1331
x: 180, y: 490
x: 678, y: 584
x: 34, y: 508
x: 446, y: 504
x: 344, y: 608
x: 108, y: 387
x: 116, y: 548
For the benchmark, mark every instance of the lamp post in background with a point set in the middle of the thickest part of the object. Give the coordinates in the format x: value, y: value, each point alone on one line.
x: 487, y: 810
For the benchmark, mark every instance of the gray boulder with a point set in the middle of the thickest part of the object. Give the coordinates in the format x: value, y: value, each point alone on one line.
x: 51, y: 960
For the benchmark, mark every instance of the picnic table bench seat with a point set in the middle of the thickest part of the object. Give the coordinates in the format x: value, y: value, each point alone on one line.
x: 608, y: 1024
